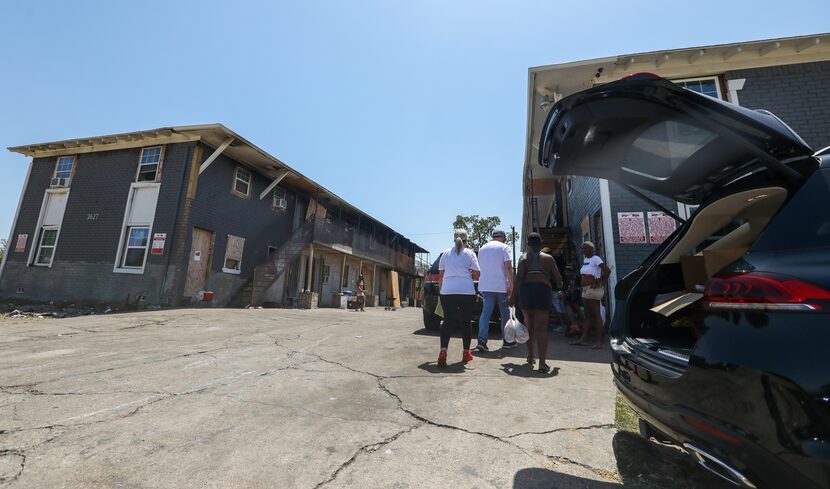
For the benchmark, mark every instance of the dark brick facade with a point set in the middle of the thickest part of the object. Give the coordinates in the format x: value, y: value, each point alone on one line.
x: 798, y: 94
x: 87, y: 246
x: 219, y: 210
x: 82, y: 268
x: 583, y: 200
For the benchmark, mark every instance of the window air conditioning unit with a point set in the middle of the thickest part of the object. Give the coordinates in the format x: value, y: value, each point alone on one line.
x: 60, y: 182
x: 282, y: 203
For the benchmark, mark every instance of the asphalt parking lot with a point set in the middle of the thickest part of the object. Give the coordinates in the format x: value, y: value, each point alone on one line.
x: 291, y: 398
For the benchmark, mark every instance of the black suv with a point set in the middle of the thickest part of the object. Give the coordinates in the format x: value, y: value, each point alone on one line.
x: 721, y: 338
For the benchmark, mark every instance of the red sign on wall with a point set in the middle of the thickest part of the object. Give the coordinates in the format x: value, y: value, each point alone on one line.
x: 20, y: 247
x: 660, y: 227
x: 632, y: 227
x: 158, y: 243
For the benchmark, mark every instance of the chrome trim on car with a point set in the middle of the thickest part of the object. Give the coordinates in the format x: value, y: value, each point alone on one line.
x: 720, y: 469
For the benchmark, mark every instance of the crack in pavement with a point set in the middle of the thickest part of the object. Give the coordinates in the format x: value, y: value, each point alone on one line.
x: 370, y: 448
x: 605, y: 474
x: 426, y: 421
x: 18, y: 454
x: 558, y: 430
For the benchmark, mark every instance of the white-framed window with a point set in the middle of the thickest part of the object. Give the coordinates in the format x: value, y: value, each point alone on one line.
x: 64, y: 169
x: 136, y: 242
x: 280, y: 202
x: 242, y: 182
x: 149, y: 164
x: 46, y: 246
x: 233, y: 255
x: 707, y: 86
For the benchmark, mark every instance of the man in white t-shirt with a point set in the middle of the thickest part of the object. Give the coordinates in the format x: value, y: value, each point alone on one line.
x: 495, y: 285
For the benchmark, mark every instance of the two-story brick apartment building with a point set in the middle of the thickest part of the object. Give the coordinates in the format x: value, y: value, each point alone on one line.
x: 170, y: 213
x: 789, y: 77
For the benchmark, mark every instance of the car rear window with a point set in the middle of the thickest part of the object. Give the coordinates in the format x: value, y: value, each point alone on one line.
x: 804, y: 222
x: 662, y: 148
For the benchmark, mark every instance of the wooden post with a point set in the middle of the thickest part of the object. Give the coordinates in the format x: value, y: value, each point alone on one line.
x: 309, y: 270
x: 343, y: 278
x: 183, y: 230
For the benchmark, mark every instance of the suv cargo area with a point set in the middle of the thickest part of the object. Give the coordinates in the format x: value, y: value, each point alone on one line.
x: 665, y: 313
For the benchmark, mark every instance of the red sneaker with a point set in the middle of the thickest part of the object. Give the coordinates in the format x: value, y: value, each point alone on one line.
x: 468, y: 356
x: 442, y: 359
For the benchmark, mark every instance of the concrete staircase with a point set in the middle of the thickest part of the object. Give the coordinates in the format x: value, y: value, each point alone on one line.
x: 265, y: 274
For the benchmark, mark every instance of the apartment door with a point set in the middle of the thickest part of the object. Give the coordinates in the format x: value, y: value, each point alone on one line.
x: 201, y: 253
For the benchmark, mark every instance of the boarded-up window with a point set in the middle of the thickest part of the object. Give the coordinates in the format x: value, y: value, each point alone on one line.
x: 233, y: 253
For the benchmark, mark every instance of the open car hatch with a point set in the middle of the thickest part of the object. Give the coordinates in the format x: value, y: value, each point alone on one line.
x: 646, y: 132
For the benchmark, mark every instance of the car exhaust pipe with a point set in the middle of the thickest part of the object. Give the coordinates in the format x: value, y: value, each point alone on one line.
x: 719, y: 467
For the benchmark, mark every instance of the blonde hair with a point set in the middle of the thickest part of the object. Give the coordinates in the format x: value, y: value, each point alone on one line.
x: 460, y: 239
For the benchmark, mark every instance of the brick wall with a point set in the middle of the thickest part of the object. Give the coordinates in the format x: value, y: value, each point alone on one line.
x: 583, y: 200
x: 798, y: 94
x: 217, y: 209
x: 82, y: 268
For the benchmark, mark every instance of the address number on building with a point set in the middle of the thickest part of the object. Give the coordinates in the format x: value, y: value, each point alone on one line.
x: 92, y: 217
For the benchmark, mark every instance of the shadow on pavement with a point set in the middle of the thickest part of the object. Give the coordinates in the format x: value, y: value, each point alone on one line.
x: 648, y: 465
x: 452, y: 368
x: 537, y: 478
x: 527, y: 370
x: 558, y: 348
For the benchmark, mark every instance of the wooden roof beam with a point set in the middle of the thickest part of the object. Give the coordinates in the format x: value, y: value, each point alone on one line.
x: 273, y: 184
x: 661, y: 60
x: 809, y: 43
x: 215, y: 155
x: 765, y: 50
x: 696, y: 56
x: 732, y: 52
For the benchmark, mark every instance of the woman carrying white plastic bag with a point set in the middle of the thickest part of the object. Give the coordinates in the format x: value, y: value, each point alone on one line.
x: 536, y: 275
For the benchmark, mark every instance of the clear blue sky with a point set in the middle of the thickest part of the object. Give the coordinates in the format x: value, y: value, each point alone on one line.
x: 413, y: 111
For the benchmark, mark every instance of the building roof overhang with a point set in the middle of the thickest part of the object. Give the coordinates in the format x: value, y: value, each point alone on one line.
x: 211, y: 135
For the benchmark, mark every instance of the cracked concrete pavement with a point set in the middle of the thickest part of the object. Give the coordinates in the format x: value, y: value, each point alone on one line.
x: 290, y: 398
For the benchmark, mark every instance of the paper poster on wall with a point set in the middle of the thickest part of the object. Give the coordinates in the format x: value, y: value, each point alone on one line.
x: 660, y: 227
x: 197, y: 255
x: 20, y: 246
x: 158, y: 243
x: 632, y: 227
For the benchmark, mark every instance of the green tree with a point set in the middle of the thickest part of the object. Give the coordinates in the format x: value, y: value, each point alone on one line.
x: 3, y: 245
x: 479, y: 229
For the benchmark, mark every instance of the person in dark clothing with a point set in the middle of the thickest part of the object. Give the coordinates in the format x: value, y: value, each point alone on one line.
x: 536, y: 276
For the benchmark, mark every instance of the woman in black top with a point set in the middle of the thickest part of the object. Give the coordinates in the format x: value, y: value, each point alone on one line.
x: 536, y: 275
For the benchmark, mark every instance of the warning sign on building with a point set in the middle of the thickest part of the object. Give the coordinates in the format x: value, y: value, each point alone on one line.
x: 632, y: 227
x: 660, y: 227
x: 158, y: 243
x: 20, y: 247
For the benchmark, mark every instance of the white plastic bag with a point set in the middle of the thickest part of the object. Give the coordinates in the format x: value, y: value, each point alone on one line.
x: 509, y: 333
x: 514, y: 330
x: 522, y: 334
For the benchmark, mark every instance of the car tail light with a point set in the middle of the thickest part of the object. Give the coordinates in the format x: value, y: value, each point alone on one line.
x: 766, y: 292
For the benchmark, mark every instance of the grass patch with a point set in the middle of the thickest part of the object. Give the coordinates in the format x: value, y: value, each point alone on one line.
x: 625, y: 418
